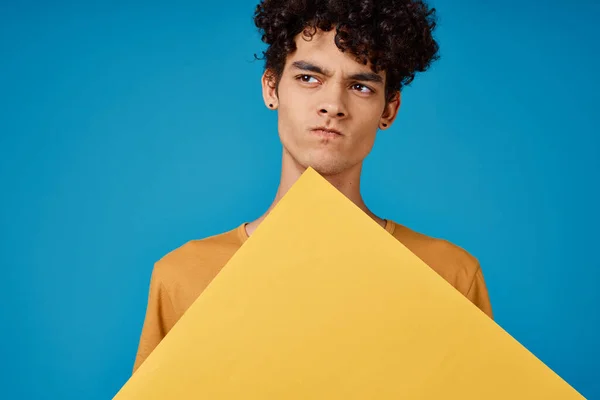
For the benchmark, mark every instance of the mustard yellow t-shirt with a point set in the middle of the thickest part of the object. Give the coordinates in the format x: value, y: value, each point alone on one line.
x: 180, y: 276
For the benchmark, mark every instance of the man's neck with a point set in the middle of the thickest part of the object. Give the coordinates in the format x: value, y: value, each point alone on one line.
x: 348, y: 183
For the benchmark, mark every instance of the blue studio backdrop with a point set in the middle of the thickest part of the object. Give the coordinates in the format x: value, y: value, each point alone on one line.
x: 127, y: 130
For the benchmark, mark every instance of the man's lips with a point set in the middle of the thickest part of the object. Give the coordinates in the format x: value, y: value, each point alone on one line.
x: 326, y: 132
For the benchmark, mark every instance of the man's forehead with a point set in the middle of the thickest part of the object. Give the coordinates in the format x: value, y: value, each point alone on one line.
x: 322, y: 50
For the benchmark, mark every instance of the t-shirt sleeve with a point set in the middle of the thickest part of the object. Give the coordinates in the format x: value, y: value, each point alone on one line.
x: 159, y: 319
x: 478, y: 293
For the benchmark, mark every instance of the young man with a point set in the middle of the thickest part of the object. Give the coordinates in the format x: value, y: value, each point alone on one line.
x: 334, y: 71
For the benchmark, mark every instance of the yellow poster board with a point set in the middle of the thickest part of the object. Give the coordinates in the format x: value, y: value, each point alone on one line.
x: 322, y: 303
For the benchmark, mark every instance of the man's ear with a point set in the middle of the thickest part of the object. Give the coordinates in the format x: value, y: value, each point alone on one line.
x: 269, y: 89
x: 390, y: 111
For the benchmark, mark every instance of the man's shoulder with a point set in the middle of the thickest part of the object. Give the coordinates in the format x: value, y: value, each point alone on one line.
x: 197, y: 255
x: 452, y: 262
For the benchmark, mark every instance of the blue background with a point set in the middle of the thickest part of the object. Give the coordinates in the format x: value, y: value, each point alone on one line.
x: 127, y: 130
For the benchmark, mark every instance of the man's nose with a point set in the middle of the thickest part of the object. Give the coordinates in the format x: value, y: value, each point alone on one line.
x: 333, y: 104
x: 332, y: 112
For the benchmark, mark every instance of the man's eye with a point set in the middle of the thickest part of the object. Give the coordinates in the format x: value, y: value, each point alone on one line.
x: 306, y: 78
x: 361, y: 88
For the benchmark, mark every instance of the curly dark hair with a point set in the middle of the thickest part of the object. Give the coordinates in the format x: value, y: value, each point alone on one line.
x: 393, y: 35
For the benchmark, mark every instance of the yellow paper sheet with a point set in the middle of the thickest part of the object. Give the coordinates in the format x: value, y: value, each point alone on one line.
x: 322, y: 303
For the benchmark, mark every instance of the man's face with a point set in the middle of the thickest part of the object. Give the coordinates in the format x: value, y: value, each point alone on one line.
x: 324, y: 87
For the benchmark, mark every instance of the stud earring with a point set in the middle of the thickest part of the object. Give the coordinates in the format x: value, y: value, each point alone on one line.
x: 271, y: 105
x: 384, y: 125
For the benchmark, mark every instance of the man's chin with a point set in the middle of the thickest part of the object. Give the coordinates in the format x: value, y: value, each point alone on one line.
x: 325, y: 164
x: 327, y: 167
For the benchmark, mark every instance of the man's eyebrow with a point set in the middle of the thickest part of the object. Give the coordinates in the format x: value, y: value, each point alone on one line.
x: 307, y: 66
x: 361, y: 76
x: 366, y: 77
